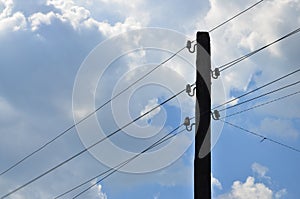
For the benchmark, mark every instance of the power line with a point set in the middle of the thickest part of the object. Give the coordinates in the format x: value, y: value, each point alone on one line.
x: 90, y: 114
x: 115, y: 170
x: 262, y: 104
x: 262, y: 136
x: 91, y: 146
x: 107, y: 102
x: 257, y: 97
x: 235, y: 16
x: 119, y: 166
x: 234, y: 62
x: 254, y: 90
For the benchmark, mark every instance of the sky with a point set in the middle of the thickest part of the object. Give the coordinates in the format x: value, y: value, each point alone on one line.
x: 59, y: 60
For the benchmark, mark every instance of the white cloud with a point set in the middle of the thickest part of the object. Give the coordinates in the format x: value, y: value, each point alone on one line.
x: 216, y: 183
x: 38, y: 19
x: 80, y: 18
x: 70, y: 12
x: 96, y: 191
x: 150, y: 105
x: 109, y: 30
x: 240, y: 36
x: 259, y: 169
x: 248, y: 190
x: 9, y: 20
x: 8, y: 6
x: 281, y: 193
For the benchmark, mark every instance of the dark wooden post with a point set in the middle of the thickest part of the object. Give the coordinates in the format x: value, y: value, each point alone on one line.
x: 202, y: 162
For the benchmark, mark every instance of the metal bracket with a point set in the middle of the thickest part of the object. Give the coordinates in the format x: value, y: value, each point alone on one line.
x: 189, y: 46
x: 188, y: 125
x: 189, y: 90
x: 215, y: 73
x: 216, y: 115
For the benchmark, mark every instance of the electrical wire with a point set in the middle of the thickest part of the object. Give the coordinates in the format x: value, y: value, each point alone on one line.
x: 119, y: 166
x: 107, y: 102
x: 235, y: 16
x: 262, y: 136
x: 262, y: 104
x: 91, y: 146
x: 265, y: 94
x: 115, y: 170
x: 234, y: 62
x: 89, y: 115
x: 254, y: 90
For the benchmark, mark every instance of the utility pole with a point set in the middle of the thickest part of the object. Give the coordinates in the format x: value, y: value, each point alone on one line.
x: 202, y: 162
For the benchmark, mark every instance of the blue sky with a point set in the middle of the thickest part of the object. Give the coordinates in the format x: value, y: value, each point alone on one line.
x: 46, y: 47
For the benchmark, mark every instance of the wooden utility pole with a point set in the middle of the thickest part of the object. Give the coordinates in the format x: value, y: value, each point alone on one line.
x: 202, y: 162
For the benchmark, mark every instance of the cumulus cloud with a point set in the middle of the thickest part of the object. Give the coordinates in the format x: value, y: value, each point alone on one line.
x: 109, y: 30
x: 80, y: 18
x: 7, y: 10
x: 216, y: 183
x: 37, y: 19
x: 248, y: 190
x: 70, y: 12
x: 251, y: 189
x: 10, y: 21
x: 240, y: 36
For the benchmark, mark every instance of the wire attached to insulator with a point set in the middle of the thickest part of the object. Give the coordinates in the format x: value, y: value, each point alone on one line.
x: 263, y: 139
x: 215, y: 73
x: 189, y: 90
x: 187, y: 124
x: 216, y: 115
x: 189, y: 46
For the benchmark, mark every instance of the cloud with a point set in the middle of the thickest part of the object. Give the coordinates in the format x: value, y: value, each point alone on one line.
x: 67, y: 12
x: 37, y: 19
x: 7, y: 10
x: 96, y: 191
x: 251, y: 189
x: 278, y: 127
x: 70, y: 12
x: 80, y: 18
x: 109, y: 30
x: 259, y: 169
x: 281, y: 193
x: 150, y: 105
x: 216, y: 183
x: 238, y: 37
x: 248, y: 190
x: 126, y: 16
x: 10, y: 21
